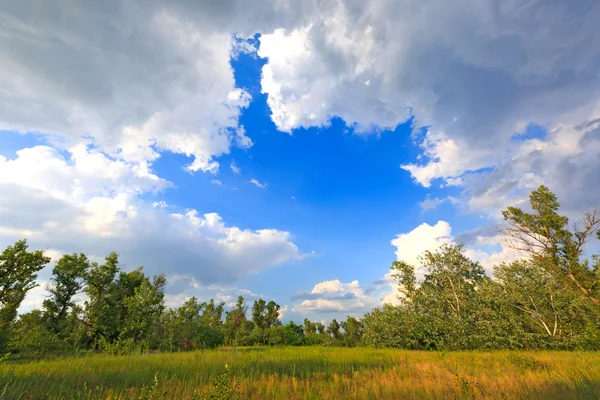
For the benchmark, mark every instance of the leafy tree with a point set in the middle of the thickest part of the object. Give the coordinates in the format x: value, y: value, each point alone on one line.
x: 445, y: 302
x: 544, y: 237
x: 18, y: 272
x: 272, y: 314
x: 212, y: 314
x: 100, y: 307
x: 353, y: 331
x: 546, y: 306
x: 67, y: 281
x: 31, y: 335
x: 235, y: 321
x: 389, y: 326
x: 334, y: 331
x: 186, y: 329
x: 144, y: 309
x: 294, y: 334
x: 276, y: 335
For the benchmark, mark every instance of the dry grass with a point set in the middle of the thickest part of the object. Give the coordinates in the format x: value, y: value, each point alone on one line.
x: 313, y: 373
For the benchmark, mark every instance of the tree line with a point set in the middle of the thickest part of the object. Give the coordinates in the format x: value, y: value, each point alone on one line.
x: 549, y: 299
x: 125, y: 311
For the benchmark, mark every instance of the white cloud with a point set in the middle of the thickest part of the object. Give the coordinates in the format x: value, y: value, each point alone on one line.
x: 91, y: 203
x: 411, y: 245
x: 335, y: 297
x: 217, y: 182
x: 257, y: 183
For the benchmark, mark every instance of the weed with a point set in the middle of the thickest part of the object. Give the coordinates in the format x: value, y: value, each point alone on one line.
x: 464, y: 386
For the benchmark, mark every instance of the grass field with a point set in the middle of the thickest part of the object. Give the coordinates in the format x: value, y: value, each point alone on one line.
x: 309, y: 373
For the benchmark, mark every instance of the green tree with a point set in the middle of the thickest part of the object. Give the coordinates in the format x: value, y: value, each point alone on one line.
x: 544, y: 237
x: 18, y: 272
x: 547, y: 307
x: 187, y: 329
x: 294, y: 334
x: 235, y: 320
x: 353, y: 331
x: 333, y: 331
x: 144, y: 309
x: 67, y: 281
x: 445, y: 306
x: 100, y: 308
x: 212, y: 314
x: 31, y: 335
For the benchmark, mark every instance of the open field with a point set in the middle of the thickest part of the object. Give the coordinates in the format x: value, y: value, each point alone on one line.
x: 309, y: 373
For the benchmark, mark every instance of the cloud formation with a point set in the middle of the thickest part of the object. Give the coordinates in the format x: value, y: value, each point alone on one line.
x: 335, y: 297
x: 474, y: 79
x: 90, y: 203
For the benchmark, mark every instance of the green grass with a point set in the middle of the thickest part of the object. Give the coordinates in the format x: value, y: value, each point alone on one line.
x: 311, y: 373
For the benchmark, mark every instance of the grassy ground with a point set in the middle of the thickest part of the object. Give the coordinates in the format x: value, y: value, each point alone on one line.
x: 309, y: 373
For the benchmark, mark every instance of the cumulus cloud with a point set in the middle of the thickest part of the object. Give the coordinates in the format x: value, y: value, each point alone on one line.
x: 409, y: 246
x: 335, y: 297
x: 92, y: 204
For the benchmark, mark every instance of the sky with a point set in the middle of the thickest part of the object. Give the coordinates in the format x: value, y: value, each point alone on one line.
x: 290, y: 150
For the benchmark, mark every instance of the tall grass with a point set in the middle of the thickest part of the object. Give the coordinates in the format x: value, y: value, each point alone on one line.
x: 311, y: 373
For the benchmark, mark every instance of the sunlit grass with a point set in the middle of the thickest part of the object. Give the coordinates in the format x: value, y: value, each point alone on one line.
x: 313, y: 373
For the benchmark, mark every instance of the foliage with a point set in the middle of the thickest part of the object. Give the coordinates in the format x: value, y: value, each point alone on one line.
x: 18, y: 272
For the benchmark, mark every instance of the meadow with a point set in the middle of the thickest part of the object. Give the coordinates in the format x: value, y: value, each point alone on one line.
x: 307, y: 373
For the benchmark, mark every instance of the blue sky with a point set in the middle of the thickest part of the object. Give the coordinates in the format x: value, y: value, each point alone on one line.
x: 364, y: 148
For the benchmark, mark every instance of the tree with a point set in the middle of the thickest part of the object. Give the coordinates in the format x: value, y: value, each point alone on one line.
x: 353, y: 331
x: 445, y: 306
x: 272, y: 314
x: 333, y: 330
x: 544, y: 236
x: 101, y: 308
x: 547, y: 306
x: 258, y: 313
x: 212, y: 314
x: 235, y: 321
x: 67, y: 281
x: 18, y: 272
x: 144, y: 309
x: 294, y: 334
x: 187, y: 329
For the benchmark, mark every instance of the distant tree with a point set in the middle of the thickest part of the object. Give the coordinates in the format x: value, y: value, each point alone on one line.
x: 544, y: 237
x: 312, y: 336
x: 18, y: 272
x: 258, y: 314
x: 353, y: 331
x: 187, y: 329
x: 294, y: 334
x: 212, y: 314
x: 334, y: 330
x: 235, y: 320
x: 389, y: 326
x: 272, y: 314
x: 276, y: 335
